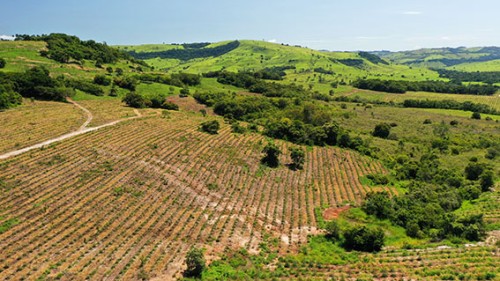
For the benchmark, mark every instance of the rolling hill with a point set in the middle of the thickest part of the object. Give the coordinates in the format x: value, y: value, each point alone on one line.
x: 465, y: 59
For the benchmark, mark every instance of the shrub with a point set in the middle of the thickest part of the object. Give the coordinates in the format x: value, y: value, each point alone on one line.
x: 382, y: 130
x: 169, y: 105
x: 298, y: 158
x: 134, y: 99
x: 102, y: 80
x: 211, y: 127
x: 195, y: 263
x: 427, y: 121
x: 272, y: 153
x: 362, y: 238
x: 476, y: 115
x: 332, y: 230
x: 2, y: 62
x: 237, y: 128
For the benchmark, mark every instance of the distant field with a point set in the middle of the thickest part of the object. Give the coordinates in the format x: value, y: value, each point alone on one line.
x: 493, y: 65
x: 493, y: 101
x: 34, y: 122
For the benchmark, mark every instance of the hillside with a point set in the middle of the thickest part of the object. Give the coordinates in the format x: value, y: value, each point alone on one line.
x: 137, y: 181
x: 255, y: 55
x: 452, y: 58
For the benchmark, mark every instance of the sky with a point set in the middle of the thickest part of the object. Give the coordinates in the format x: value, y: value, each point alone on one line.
x: 318, y: 24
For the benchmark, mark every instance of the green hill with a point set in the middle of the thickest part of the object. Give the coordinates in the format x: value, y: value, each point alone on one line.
x: 460, y: 58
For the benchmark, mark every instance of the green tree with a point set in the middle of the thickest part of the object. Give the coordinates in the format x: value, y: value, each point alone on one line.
x: 362, y: 238
x: 134, y: 99
x: 378, y: 204
x: 102, y: 80
x: 2, y: 62
x: 195, y: 262
x: 211, y: 127
x: 382, y: 130
x: 298, y: 158
x: 271, y: 157
x: 333, y: 230
x: 476, y: 115
x: 486, y: 180
x: 473, y: 171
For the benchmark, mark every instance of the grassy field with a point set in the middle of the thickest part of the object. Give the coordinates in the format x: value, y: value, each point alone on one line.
x: 493, y: 65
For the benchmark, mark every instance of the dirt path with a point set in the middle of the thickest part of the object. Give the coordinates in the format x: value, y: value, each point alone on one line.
x: 89, y: 114
x: 82, y: 130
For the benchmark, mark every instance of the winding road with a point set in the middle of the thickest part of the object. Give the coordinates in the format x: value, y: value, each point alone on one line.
x: 82, y: 130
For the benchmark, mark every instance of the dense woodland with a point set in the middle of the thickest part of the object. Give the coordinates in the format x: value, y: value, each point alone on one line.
x: 460, y: 76
x: 65, y: 48
x: 401, y: 87
x: 189, y: 52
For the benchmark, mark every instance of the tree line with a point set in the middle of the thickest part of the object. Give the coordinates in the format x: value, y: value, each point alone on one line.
x: 188, y: 53
x: 489, y: 77
x: 451, y: 104
x: 401, y: 87
x: 64, y: 48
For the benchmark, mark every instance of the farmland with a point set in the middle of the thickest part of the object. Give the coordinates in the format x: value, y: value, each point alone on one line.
x: 159, y: 184
x: 127, y: 201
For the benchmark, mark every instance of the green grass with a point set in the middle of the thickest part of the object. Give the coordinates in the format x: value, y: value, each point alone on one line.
x: 493, y: 65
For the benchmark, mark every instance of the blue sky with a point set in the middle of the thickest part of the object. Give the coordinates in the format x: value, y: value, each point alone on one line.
x: 318, y: 24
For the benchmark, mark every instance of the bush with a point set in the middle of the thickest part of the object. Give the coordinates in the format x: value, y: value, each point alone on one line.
x: 211, y: 127
x: 2, y: 63
x: 298, y: 158
x: 134, y: 99
x: 382, y: 130
x: 476, y: 115
x: 378, y: 204
x: 427, y: 121
x: 332, y: 230
x: 169, y: 105
x: 195, y: 263
x: 237, y: 128
x: 272, y: 153
x: 102, y: 80
x: 362, y: 238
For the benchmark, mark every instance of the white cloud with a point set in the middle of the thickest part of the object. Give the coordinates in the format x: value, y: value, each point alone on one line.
x: 6, y: 37
x: 411, y: 13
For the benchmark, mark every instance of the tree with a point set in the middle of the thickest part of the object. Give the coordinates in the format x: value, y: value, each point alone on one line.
x: 476, y: 115
x: 195, y: 263
x: 473, y: 171
x: 332, y: 230
x: 272, y: 153
x: 486, y: 180
x: 2, y: 62
x: 362, y: 238
x: 382, y: 130
x: 134, y: 99
x: 378, y: 204
x: 298, y: 158
x: 102, y: 80
x: 211, y: 127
